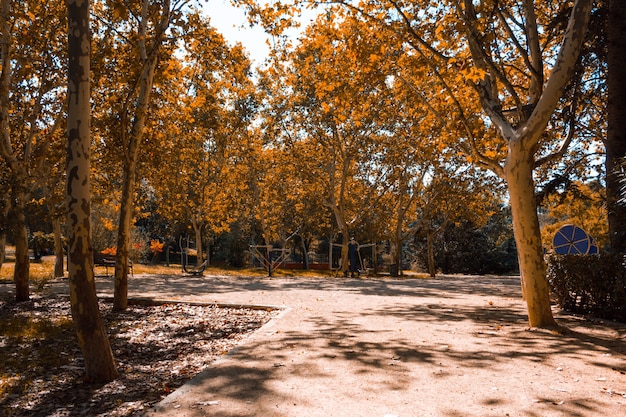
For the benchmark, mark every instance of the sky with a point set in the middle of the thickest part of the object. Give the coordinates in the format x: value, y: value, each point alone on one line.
x: 233, y: 24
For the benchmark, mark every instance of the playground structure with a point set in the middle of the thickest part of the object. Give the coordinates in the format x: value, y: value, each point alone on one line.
x: 185, y: 244
x: 356, y: 265
x: 269, y: 256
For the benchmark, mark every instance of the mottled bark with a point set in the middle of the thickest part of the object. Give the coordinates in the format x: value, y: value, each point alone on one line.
x: 305, y: 254
x: 518, y: 171
x: 90, y: 330
x: 345, y: 262
x: 616, y: 136
x: 345, y: 238
x: 58, y: 248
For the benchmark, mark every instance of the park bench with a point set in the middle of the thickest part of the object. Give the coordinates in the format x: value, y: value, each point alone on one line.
x: 108, y: 261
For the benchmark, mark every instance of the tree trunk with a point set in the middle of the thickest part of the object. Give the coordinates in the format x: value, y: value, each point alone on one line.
x: 3, y: 247
x: 396, y: 245
x: 92, y: 335
x: 345, y: 262
x: 22, y: 260
x: 616, y: 136
x: 430, y: 237
x: 518, y: 172
x: 197, y: 229
x: 58, y: 248
x: 305, y: 254
x: 5, y: 204
x: 120, y: 292
x: 149, y: 58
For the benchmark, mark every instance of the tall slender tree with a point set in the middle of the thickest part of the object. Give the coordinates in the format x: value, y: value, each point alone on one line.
x: 132, y: 43
x: 615, y: 142
x: 90, y: 329
x: 31, y: 98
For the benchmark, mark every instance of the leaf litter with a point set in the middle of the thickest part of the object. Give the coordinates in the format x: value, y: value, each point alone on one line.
x: 157, y: 349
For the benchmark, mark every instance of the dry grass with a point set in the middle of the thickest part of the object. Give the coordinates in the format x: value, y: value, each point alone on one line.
x: 41, y: 272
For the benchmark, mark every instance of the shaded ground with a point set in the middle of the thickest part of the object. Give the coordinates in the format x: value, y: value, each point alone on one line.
x: 157, y: 348
x: 451, y: 346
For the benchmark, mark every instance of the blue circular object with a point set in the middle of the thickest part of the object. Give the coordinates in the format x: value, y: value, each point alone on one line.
x: 571, y: 240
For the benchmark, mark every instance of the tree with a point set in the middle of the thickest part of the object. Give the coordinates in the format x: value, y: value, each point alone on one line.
x: 92, y: 336
x: 204, y: 104
x: 518, y: 104
x: 454, y: 194
x: 512, y: 58
x: 133, y: 39
x: 330, y: 115
x: 615, y: 142
x: 5, y: 205
x: 31, y: 101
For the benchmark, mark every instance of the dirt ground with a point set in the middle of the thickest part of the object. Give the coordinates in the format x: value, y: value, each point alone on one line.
x: 450, y: 346
x: 443, y: 347
x: 157, y: 349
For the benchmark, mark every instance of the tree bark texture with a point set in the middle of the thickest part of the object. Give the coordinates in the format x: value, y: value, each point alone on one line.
x: 58, y: 248
x: 22, y: 260
x: 90, y: 329
x: 5, y: 205
x: 615, y: 143
x: 519, y: 171
x: 120, y: 294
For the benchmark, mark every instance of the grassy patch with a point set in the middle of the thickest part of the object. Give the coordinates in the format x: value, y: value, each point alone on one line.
x: 41, y: 272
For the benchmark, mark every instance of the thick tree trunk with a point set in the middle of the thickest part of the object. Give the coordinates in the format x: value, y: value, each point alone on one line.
x: 22, y: 260
x: 344, y: 262
x: 616, y: 136
x: 92, y: 336
x: 58, y: 248
x: 518, y: 172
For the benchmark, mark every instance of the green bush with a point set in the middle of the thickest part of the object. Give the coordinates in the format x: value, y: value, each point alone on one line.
x: 589, y: 284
